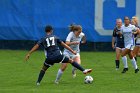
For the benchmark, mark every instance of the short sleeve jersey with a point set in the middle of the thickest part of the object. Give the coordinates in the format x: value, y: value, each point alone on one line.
x: 50, y: 45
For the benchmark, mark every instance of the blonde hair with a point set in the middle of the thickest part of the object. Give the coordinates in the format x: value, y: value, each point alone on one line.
x: 134, y: 18
x: 119, y: 19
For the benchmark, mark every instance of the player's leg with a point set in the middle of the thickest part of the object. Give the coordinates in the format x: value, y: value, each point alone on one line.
x: 134, y: 63
x: 41, y: 74
x: 135, y: 52
x: 78, y: 66
x: 124, y: 59
x: 60, y: 72
x: 117, y: 61
x: 78, y: 60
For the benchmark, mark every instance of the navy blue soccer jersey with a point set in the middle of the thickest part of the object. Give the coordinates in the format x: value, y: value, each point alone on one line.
x: 50, y: 45
x: 119, y: 39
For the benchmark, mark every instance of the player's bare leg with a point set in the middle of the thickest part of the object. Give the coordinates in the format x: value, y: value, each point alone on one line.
x: 134, y: 63
x: 135, y: 52
x: 118, y: 54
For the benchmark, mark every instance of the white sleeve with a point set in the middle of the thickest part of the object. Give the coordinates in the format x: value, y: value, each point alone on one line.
x: 82, y: 35
x: 134, y: 28
x: 69, y: 37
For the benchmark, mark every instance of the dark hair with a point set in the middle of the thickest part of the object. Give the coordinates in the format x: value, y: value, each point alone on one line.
x: 48, y: 28
x: 126, y: 17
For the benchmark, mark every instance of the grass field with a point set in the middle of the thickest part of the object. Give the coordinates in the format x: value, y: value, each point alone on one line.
x: 17, y: 76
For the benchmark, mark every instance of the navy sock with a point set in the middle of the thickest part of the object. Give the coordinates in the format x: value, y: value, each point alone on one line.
x: 117, y: 63
x: 41, y: 74
x: 75, y: 64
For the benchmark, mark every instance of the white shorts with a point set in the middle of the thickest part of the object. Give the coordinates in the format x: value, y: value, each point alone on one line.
x: 69, y: 55
x: 129, y: 46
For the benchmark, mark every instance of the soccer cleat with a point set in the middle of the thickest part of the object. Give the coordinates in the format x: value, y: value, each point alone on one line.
x: 87, y: 71
x: 38, y: 84
x: 117, y: 68
x: 124, y: 70
x: 56, y: 82
x: 73, y: 73
x: 136, y: 70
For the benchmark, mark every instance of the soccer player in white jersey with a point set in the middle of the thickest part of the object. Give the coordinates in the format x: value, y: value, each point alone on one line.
x: 128, y: 30
x: 73, y: 40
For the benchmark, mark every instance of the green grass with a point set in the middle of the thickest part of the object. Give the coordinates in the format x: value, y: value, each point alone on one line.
x: 17, y: 76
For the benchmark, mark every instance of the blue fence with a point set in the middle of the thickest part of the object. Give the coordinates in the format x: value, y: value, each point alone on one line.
x: 25, y: 19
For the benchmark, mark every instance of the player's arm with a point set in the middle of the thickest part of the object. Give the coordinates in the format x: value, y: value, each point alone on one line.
x: 136, y: 31
x: 83, y: 39
x: 67, y: 47
x: 113, y: 42
x: 31, y: 51
x: 113, y: 38
x: 68, y: 40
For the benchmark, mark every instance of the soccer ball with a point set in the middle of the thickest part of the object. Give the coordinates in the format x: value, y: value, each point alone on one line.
x: 88, y: 79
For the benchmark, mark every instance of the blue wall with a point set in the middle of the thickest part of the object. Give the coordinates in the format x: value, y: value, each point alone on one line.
x: 25, y: 19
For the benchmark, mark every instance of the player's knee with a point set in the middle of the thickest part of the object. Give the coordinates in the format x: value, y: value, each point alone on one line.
x: 63, y: 67
x: 71, y: 61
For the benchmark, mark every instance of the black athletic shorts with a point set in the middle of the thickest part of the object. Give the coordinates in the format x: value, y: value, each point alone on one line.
x: 58, y: 59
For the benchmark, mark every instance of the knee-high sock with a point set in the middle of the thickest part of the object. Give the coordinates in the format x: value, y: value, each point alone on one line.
x: 134, y: 63
x: 117, y: 63
x: 75, y: 64
x: 124, y: 59
x: 73, y: 70
x: 59, y: 74
x: 41, y: 74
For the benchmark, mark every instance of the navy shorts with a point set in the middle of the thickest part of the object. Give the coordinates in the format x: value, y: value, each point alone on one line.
x: 120, y: 45
x: 58, y: 59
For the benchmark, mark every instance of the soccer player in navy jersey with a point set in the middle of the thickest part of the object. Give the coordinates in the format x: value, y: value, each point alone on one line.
x: 117, y: 42
x: 53, y: 54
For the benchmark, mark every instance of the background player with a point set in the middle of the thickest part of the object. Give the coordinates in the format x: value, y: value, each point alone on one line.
x: 53, y: 52
x: 127, y: 31
x: 118, y: 40
x: 134, y: 21
x: 73, y: 40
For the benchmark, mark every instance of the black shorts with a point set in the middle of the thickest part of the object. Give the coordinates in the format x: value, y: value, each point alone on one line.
x: 58, y: 59
x: 120, y: 45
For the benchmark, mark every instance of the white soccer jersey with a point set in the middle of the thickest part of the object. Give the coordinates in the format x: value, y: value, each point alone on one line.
x: 72, y: 38
x: 128, y: 35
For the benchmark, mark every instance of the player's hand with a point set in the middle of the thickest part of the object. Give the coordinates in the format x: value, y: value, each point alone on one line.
x: 74, y: 52
x: 27, y: 57
x: 76, y: 43
x: 113, y: 46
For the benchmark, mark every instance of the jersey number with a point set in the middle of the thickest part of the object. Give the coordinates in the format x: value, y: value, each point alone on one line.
x: 50, y: 41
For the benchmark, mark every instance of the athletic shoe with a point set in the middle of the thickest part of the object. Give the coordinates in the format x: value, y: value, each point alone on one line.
x: 56, y: 82
x: 117, y: 68
x: 124, y: 70
x: 73, y: 73
x: 136, y: 70
x: 38, y: 84
x: 87, y: 71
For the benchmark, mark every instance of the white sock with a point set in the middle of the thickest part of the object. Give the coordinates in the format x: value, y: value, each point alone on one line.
x: 124, y: 59
x: 73, y: 70
x: 59, y: 74
x: 134, y: 63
